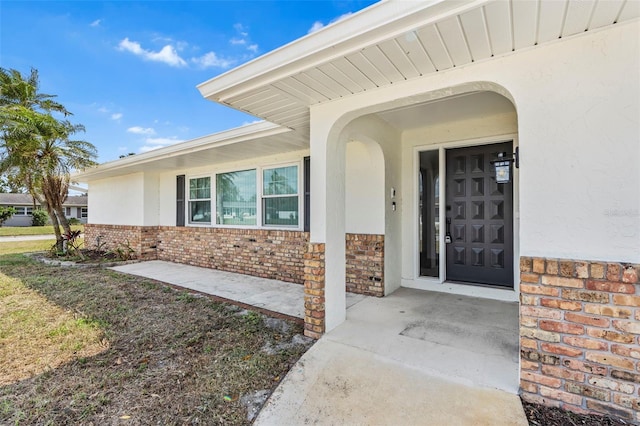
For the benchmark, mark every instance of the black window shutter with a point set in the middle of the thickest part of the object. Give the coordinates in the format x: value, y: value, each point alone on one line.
x: 180, y: 200
x: 307, y: 194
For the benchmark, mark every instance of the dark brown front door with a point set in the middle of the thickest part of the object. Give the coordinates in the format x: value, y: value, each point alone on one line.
x: 479, y: 215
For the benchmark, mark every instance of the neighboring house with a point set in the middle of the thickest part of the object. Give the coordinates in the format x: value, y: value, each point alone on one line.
x: 376, y: 167
x: 74, y: 207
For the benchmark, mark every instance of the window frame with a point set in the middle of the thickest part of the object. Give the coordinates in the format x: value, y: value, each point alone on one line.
x: 259, y: 168
x: 23, y: 210
x: 298, y: 194
x: 84, y: 212
x: 214, y: 209
x: 189, y: 200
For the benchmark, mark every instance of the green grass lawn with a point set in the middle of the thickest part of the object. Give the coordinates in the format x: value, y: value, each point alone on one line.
x: 26, y: 246
x: 10, y: 231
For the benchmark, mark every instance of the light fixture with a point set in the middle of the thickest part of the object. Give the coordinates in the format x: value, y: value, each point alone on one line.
x: 502, y: 165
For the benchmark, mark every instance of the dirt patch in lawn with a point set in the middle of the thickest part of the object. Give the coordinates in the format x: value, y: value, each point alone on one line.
x: 160, y: 355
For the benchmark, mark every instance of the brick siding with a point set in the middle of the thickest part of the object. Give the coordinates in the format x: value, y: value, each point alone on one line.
x: 365, y: 264
x: 262, y: 253
x: 314, y: 273
x: 580, y: 335
x: 274, y: 254
x: 111, y: 237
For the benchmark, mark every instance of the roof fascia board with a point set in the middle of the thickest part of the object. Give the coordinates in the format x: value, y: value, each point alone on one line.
x: 236, y: 135
x: 379, y: 22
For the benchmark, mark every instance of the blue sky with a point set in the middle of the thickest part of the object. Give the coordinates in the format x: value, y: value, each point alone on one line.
x: 128, y: 70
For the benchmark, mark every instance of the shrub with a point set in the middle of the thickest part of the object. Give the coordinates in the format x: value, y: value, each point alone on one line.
x: 74, y: 221
x: 39, y: 217
x: 6, y: 213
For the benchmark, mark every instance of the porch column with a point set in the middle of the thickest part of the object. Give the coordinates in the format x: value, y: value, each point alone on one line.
x: 325, y: 303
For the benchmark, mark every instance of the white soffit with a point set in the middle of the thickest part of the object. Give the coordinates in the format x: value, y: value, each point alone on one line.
x: 394, y: 41
x: 250, y: 141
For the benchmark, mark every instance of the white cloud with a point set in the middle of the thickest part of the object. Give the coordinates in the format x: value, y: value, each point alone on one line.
x: 156, y: 143
x: 211, y: 60
x: 241, y: 29
x: 117, y: 116
x: 315, y: 27
x: 96, y: 23
x: 141, y: 130
x: 103, y: 110
x: 243, y: 39
x: 168, y: 54
x: 319, y: 25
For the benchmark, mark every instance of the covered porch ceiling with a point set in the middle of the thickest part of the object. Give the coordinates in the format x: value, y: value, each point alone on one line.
x: 395, y: 41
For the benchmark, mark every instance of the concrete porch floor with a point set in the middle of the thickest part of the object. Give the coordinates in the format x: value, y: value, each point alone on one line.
x: 413, y: 357
x: 464, y: 339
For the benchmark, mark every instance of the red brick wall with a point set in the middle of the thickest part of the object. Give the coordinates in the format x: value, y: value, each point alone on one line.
x: 580, y: 335
x: 365, y: 264
x: 263, y: 253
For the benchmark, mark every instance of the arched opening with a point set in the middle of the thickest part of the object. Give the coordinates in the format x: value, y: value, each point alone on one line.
x: 417, y: 142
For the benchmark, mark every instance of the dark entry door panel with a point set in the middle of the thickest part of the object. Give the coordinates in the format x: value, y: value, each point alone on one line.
x: 479, y: 215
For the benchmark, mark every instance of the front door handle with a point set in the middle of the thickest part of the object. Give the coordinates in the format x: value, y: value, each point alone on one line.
x: 447, y: 237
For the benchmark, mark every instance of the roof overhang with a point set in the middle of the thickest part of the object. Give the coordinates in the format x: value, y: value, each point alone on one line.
x: 394, y: 41
x: 253, y: 140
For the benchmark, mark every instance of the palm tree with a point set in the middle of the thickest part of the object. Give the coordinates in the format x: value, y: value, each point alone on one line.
x: 16, y: 90
x: 37, y: 148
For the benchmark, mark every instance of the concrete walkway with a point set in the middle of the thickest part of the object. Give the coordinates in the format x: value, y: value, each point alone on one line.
x: 272, y: 295
x: 337, y: 384
x: 411, y: 358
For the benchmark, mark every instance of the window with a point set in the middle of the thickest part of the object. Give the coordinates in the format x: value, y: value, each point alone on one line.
x: 280, y: 196
x: 236, y: 198
x: 261, y: 196
x: 200, y: 200
x: 85, y: 212
x: 429, y: 213
x: 68, y: 213
x: 23, y: 210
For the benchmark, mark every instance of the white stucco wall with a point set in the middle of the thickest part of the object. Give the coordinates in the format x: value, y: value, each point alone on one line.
x: 118, y: 200
x: 151, y: 203
x: 167, y: 198
x: 578, y: 106
x: 364, y: 196
x: 379, y: 135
